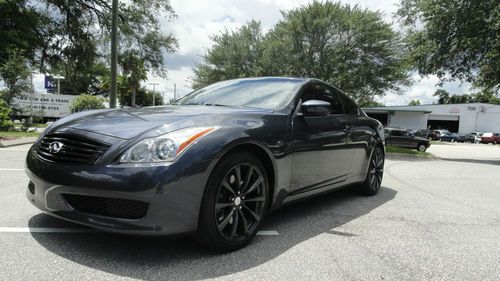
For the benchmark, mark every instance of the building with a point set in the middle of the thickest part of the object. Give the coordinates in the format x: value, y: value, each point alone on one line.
x: 458, y: 118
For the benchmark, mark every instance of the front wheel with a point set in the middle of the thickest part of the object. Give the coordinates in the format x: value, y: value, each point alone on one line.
x: 234, y: 204
x: 373, y: 179
x: 422, y: 147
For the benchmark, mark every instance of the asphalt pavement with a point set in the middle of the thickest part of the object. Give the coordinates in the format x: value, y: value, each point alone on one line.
x: 432, y: 220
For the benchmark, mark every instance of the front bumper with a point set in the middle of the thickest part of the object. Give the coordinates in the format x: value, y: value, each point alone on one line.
x: 173, y: 195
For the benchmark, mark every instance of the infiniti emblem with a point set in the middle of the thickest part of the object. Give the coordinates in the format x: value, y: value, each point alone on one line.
x: 55, y: 147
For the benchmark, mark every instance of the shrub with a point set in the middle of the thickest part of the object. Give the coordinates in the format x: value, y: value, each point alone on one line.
x: 87, y: 102
x: 5, y: 122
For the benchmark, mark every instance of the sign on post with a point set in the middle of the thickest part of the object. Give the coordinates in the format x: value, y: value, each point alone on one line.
x: 50, y: 84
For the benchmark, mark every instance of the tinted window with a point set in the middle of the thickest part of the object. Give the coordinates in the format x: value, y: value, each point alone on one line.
x: 323, y: 93
x: 263, y: 93
x: 395, y: 133
x: 349, y: 106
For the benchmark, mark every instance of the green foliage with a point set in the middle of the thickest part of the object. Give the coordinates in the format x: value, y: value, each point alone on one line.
x: 459, y: 38
x: 414, y: 102
x: 5, y: 122
x: 349, y: 47
x: 14, y: 71
x: 235, y: 54
x: 143, y: 98
x: 134, y: 71
x: 18, y: 28
x: 87, y: 102
x: 72, y: 38
x: 481, y: 97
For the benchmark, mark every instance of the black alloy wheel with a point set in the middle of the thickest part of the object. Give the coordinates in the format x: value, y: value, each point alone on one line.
x: 240, y: 202
x: 373, y: 180
x: 234, y: 204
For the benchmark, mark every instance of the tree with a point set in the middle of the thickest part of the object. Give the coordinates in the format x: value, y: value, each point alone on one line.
x: 19, y: 28
x: 414, y: 102
x: 87, y: 102
x: 134, y: 72
x: 143, y: 98
x: 455, y: 38
x: 71, y: 38
x: 234, y: 55
x: 442, y: 95
x: 347, y: 46
x: 15, y: 72
x: 5, y: 111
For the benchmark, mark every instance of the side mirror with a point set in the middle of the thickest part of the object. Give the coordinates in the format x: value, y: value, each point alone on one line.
x: 316, y: 108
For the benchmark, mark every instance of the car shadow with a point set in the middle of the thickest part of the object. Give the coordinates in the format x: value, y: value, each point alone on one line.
x: 182, y: 259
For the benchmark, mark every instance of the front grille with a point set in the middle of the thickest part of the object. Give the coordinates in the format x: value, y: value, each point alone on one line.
x: 74, y: 150
x: 109, y: 207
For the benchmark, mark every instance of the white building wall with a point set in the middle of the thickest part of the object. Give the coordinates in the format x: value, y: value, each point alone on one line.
x: 408, y: 120
x: 474, y: 117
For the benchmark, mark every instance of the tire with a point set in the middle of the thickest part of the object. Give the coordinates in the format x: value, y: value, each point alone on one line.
x: 421, y: 147
x: 373, y: 179
x: 228, y: 221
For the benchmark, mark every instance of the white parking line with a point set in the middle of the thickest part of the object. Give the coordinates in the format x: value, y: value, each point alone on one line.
x: 268, y: 232
x: 46, y: 230
x: 2, y: 169
x: 84, y: 230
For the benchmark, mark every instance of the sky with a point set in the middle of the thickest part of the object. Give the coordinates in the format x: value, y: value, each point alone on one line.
x: 197, y: 20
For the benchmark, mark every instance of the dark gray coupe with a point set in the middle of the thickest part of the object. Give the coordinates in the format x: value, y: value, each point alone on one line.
x: 212, y: 165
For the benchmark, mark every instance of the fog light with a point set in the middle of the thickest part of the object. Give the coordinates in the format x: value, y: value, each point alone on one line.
x: 31, y: 187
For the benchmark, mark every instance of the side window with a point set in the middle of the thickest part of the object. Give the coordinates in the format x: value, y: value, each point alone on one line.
x: 349, y: 106
x: 318, y: 91
x: 396, y: 133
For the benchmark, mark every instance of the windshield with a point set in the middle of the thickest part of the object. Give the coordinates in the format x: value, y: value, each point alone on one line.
x: 262, y: 93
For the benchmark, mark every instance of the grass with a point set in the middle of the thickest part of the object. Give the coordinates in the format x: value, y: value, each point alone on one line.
x: 13, y: 134
x: 403, y: 150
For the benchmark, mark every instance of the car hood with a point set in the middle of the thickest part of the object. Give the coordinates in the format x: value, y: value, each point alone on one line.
x: 129, y: 123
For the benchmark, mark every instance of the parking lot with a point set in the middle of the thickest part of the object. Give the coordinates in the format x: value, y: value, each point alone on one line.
x: 434, y: 219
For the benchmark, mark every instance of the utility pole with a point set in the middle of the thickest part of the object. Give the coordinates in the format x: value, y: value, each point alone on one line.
x: 58, y: 78
x: 154, y: 90
x: 175, y: 89
x: 114, y: 54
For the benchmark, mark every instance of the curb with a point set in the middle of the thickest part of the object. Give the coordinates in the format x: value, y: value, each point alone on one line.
x: 406, y: 155
x: 17, y: 142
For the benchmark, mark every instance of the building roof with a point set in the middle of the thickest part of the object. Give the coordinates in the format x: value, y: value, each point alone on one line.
x: 387, y: 109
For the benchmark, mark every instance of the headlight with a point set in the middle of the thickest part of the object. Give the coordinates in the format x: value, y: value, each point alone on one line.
x: 166, y: 147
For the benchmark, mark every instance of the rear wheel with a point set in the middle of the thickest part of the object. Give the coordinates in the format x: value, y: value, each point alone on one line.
x: 373, y: 180
x: 234, y: 204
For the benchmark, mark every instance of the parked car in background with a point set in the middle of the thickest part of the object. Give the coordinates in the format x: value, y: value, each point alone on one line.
x: 493, y: 138
x: 469, y: 138
x: 403, y: 138
x: 465, y: 138
x: 439, y: 133
x: 477, y: 136
x: 424, y: 133
x: 451, y: 137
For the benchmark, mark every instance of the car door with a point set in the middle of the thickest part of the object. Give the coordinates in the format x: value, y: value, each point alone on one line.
x: 320, y: 157
x: 395, y: 138
x: 358, y: 136
x: 407, y: 140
